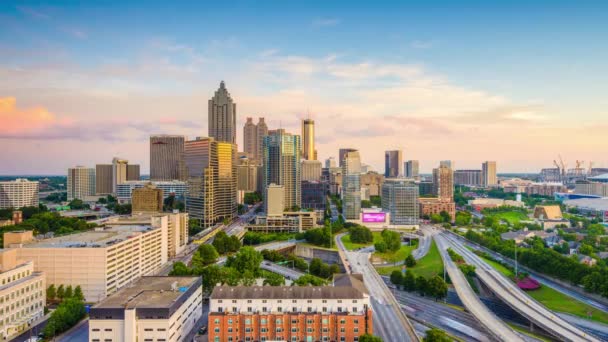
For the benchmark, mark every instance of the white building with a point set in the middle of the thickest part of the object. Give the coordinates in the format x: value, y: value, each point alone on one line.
x: 22, y: 294
x: 150, y: 309
x: 175, y: 187
x: 81, y: 183
x: 18, y: 194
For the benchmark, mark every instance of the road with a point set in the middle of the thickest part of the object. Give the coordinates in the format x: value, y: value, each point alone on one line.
x: 286, y: 272
x: 80, y: 333
x: 540, y: 277
x: 424, y: 242
x: 509, y: 293
x: 390, y: 323
x: 470, y: 300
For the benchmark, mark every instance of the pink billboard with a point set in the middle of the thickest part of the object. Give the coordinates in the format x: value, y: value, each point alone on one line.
x: 374, y: 217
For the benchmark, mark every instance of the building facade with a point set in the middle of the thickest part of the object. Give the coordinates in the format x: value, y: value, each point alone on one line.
x: 282, y: 166
x: 488, y: 174
x: 591, y: 188
x: 433, y: 205
x: 412, y: 169
x: 253, y: 138
x: 247, y: 175
x: 124, y: 191
x: 22, y: 294
x: 104, y: 179
x: 81, y: 183
x: 167, y: 157
x: 372, y: 181
x: 308, y: 140
x: 468, y: 177
x: 18, y: 194
x: 275, y: 200
x: 133, y: 172
x: 351, y: 185
x: 393, y: 163
x: 314, y: 195
x: 400, y: 199
x: 311, y: 170
x: 222, y: 116
x: 148, y: 199
x: 443, y: 183
x: 341, y: 153
x: 150, y: 309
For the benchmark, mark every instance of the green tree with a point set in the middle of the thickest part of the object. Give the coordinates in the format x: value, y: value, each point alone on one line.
x: 69, y: 292
x: 436, y: 335
x: 392, y: 240
x: 380, y: 246
x: 273, y: 279
x: 78, y: 293
x: 437, y: 288
x: 422, y: 285
x: 445, y: 216
x: 397, y: 278
x: 369, y: 338
x: 463, y: 218
x: 409, y: 281
x: 247, y: 259
x: 205, y: 255
x: 309, y: 279
x: 596, y: 229
x: 67, y: 314
x: 212, y: 275
x: 436, y: 218
x: 410, y: 261
x: 51, y: 293
x: 180, y: 269
x: 78, y: 204
x: 60, y: 292
x: 361, y: 234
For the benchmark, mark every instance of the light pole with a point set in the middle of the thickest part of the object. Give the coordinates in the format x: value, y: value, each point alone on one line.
x: 515, y: 260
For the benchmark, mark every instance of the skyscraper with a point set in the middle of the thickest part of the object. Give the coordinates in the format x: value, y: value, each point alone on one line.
x: 443, y: 183
x: 308, y: 140
x: 148, y: 199
x: 446, y: 163
x: 119, y: 172
x: 81, y: 182
x: 311, y: 170
x: 341, y: 153
x: 222, y: 116
x: 488, y: 174
x: 166, y: 157
x: 281, y: 162
x: 393, y: 163
x: 467, y: 177
x: 103, y: 179
x: 330, y: 162
x: 351, y: 185
x: 133, y: 172
x: 412, y: 169
x: 253, y: 138
x: 211, y: 170
x: 400, y: 199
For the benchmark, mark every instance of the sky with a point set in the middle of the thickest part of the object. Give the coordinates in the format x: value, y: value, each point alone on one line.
x: 518, y: 82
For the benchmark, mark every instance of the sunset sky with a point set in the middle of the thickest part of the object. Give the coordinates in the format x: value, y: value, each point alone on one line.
x: 518, y: 83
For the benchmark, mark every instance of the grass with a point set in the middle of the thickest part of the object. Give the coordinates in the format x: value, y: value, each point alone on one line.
x: 353, y: 245
x: 529, y: 333
x: 555, y: 300
x: 430, y: 265
x: 510, y: 216
x: 398, y: 256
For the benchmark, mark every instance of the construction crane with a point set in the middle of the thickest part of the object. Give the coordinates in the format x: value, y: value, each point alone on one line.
x: 563, y: 165
x: 590, y: 168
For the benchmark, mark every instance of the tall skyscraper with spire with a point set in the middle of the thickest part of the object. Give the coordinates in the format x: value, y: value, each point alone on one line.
x: 222, y: 116
x: 308, y: 140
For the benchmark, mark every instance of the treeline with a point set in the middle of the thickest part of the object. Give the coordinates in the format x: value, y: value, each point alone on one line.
x: 549, y: 262
x: 433, y: 287
x: 255, y: 238
x: 69, y: 312
x: 226, y: 244
x: 317, y: 266
x: 391, y: 242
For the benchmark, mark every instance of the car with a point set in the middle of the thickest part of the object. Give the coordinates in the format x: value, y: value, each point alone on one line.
x: 202, y: 330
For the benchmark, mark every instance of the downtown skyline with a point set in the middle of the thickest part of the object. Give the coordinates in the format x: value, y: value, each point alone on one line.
x: 75, y: 90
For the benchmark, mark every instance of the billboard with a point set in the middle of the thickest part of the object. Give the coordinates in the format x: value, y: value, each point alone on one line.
x: 374, y: 217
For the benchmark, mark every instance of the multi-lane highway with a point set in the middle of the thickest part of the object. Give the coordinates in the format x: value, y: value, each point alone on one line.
x: 509, y: 293
x: 470, y: 300
x: 390, y: 322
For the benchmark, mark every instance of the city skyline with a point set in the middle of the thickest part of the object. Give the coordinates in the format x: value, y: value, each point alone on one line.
x: 71, y: 85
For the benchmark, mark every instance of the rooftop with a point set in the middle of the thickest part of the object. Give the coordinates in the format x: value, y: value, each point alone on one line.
x: 591, y: 203
x: 287, y: 292
x: 92, y: 238
x: 601, y: 178
x: 149, y: 292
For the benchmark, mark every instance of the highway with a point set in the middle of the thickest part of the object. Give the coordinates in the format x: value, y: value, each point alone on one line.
x: 390, y: 323
x: 424, y: 242
x: 286, y: 272
x: 470, y: 300
x: 509, y: 293
x: 540, y: 277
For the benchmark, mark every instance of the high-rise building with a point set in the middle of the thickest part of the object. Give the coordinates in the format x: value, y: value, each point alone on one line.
x: 425, y: 188
x: 104, y: 179
x: 467, y: 177
x: 308, y: 140
x: 222, y: 116
x: 212, y: 189
x: 372, y: 182
x: 341, y: 153
x: 119, y: 172
x: 400, y: 199
x: 412, y: 169
x: 148, y: 199
x: 393, y: 163
x: 443, y: 183
x: 314, y: 195
x: 488, y: 171
x: 330, y: 162
x: 175, y: 188
x: 247, y: 175
x: 166, y: 157
x: 18, y: 194
x: 446, y: 163
x: 261, y: 132
x: 282, y: 165
x: 311, y: 170
x: 275, y: 200
x: 351, y: 185
x: 133, y: 173
x: 253, y: 137
x: 81, y: 182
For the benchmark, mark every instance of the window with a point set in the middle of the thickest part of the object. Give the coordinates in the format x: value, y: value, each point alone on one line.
x: 249, y: 309
x: 216, y: 321
x: 294, y: 321
x: 263, y: 321
x: 342, y: 329
x: 342, y: 321
x: 309, y: 330
x: 147, y: 329
x: 356, y: 330
x: 230, y: 321
x: 264, y: 309
x: 294, y: 330
x: 248, y: 321
x: 354, y: 309
x: 248, y: 301
x: 356, y: 321
x: 325, y: 321
x: 294, y: 309
x: 229, y: 329
x: 309, y: 321
x: 324, y: 309
x: 309, y: 301
x: 247, y: 330
x: 278, y: 321
x: 294, y: 301
x: 217, y: 330
x: 309, y: 309
x: 108, y: 329
x: 339, y: 309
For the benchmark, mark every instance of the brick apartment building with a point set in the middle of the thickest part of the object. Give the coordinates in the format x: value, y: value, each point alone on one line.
x: 341, y: 312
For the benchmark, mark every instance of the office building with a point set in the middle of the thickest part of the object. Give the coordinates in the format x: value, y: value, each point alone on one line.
x: 222, y: 116
x: 148, y: 199
x: 412, y: 169
x: 150, y: 309
x: 311, y: 170
x: 253, y: 137
x: 341, y: 312
x: 335, y: 180
x: 18, y: 193
x: 275, y: 200
x: 104, y: 179
x: 393, y: 163
x: 22, y: 294
x: 372, y: 182
x: 282, y: 165
x: 124, y: 191
x: 330, y: 163
x: 443, y: 183
x: 468, y: 177
x: 81, y: 183
x: 591, y: 188
x: 119, y: 172
x: 287, y: 222
x: 314, y: 195
x: 308, y: 140
x: 133, y: 173
x: 341, y: 153
x: 247, y: 175
x: 434, y: 205
x: 212, y: 189
x: 400, y: 199
x: 446, y: 163
x: 105, y: 259
x: 351, y: 185
x: 425, y: 188
x: 488, y: 174
x: 167, y: 157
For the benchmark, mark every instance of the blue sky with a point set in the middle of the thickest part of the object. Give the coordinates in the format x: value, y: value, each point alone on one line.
x: 467, y: 80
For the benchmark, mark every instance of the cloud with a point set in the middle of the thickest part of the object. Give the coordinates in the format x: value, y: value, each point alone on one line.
x: 17, y: 121
x: 33, y: 12
x: 325, y: 22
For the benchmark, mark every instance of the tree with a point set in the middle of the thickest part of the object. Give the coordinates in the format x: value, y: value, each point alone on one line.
x: 369, y: 338
x: 69, y: 292
x: 60, y: 292
x: 247, y: 259
x: 436, y: 218
x: 397, y: 278
x: 205, y: 255
x: 309, y: 279
x: 437, y: 288
x: 392, y: 240
x: 226, y: 244
x: 51, y: 293
x: 180, y: 269
x: 409, y: 281
x: 436, y: 335
x: 410, y: 261
x: 596, y: 229
x: 421, y: 285
x: 361, y: 234
x: 211, y: 276
x: 445, y: 216
x: 463, y: 218
x: 380, y: 246
x: 78, y: 204
x: 273, y: 279
x: 78, y: 293
x: 67, y: 314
